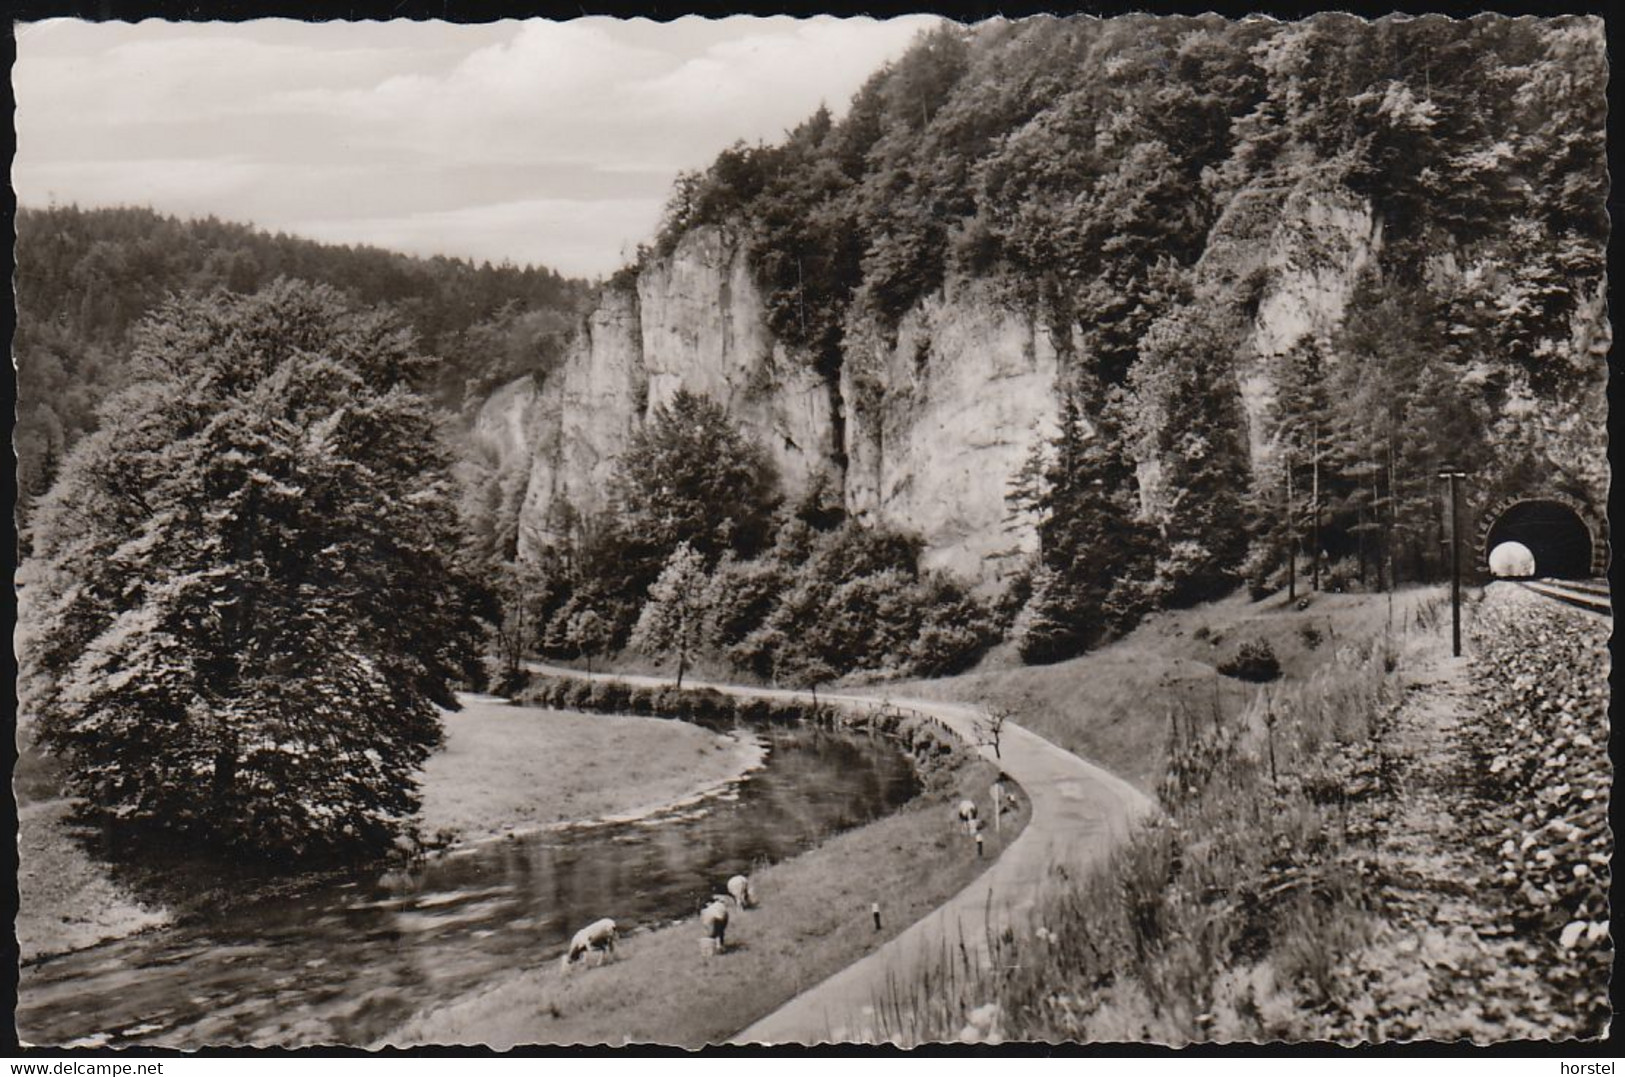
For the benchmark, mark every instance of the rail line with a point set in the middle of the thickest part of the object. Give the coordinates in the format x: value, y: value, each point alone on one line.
x: 1589, y: 595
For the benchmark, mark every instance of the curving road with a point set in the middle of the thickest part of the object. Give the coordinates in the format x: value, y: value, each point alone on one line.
x: 1080, y: 813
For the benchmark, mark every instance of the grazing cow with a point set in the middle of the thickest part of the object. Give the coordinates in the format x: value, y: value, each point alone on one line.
x: 714, y: 918
x: 740, y: 889
x: 597, y: 937
x: 967, y: 815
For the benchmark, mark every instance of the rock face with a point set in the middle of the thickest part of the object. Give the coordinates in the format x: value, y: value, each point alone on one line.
x: 941, y: 422
x: 695, y: 322
x: 960, y: 398
x: 1298, y: 250
x: 928, y: 425
x: 704, y: 329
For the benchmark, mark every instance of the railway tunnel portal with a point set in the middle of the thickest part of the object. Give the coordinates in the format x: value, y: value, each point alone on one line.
x: 1565, y: 537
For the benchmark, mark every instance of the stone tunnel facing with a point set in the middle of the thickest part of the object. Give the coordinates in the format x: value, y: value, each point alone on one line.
x: 1554, y: 533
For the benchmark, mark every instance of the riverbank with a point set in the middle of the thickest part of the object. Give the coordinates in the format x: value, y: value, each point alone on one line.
x: 813, y: 920
x: 509, y: 770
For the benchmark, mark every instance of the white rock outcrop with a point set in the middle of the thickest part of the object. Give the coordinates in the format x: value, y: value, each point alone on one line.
x: 948, y: 416
x: 929, y: 425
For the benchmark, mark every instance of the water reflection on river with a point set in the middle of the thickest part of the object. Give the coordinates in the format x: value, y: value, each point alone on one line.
x: 344, y: 961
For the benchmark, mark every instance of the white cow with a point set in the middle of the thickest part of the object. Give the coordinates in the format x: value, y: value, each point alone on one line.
x: 967, y: 815
x: 740, y: 889
x: 714, y: 918
x: 597, y: 937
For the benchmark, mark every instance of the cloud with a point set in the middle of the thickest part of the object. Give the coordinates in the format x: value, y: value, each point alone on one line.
x: 143, y: 79
x: 567, y: 133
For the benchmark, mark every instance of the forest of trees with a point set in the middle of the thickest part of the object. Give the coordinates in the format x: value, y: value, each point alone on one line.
x: 86, y: 277
x: 1084, y: 167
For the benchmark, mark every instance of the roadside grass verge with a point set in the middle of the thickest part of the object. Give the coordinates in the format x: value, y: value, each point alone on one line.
x: 1223, y: 917
x: 812, y: 921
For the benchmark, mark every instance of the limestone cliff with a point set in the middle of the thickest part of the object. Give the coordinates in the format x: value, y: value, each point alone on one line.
x: 704, y: 329
x: 949, y: 409
x: 1297, y: 251
x: 928, y: 424
x: 942, y: 420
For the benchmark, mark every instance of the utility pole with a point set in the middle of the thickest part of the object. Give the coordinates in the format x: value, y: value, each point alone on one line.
x: 1292, y: 539
x: 1314, y: 522
x: 1453, y: 475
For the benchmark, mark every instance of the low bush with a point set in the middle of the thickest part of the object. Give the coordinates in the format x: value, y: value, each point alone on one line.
x: 577, y: 695
x: 609, y: 696
x: 666, y: 702
x: 1253, y: 661
x: 755, y: 711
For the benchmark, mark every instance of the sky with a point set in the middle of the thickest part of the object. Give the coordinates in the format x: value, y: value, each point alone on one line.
x: 552, y: 143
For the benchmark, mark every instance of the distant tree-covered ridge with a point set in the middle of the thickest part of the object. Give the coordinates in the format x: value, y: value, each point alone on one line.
x: 86, y: 277
x: 246, y: 606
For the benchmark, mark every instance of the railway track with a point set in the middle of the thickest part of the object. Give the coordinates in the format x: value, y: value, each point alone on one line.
x: 1589, y: 595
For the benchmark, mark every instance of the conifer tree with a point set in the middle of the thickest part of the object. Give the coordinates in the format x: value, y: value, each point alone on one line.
x: 1189, y: 420
x: 1091, y: 544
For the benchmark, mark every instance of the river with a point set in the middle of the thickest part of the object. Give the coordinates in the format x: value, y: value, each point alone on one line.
x: 346, y: 959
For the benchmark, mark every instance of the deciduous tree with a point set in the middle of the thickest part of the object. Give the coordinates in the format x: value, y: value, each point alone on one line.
x: 673, y: 618
x: 248, y: 614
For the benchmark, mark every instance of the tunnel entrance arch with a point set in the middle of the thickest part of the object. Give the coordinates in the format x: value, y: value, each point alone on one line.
x: 1559, y: 530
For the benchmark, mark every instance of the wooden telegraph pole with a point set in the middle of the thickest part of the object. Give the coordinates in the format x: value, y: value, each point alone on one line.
x: 1453, y: 475
x: 1292, y: 538
x: 1314, y: 522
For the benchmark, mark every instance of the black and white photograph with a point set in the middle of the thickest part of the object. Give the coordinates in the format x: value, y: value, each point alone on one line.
x: 801, y: 531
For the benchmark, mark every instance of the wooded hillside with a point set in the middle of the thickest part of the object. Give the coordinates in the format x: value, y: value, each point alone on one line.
x: 1125, y: 182
x: 85, y: 277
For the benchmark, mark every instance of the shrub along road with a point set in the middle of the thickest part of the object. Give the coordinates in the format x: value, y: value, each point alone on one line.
x: 1080, y: 813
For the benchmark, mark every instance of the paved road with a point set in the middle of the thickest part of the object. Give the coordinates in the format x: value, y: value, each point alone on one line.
x: 1079, y: 814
